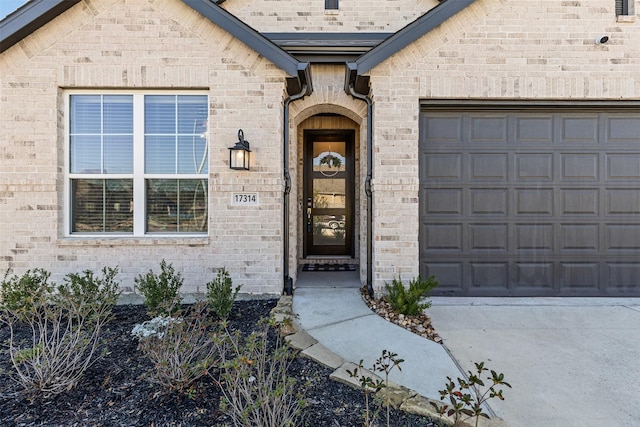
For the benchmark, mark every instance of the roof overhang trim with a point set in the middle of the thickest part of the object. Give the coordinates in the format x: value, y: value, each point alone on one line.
x: 28, y: 18
x: 256, y: 41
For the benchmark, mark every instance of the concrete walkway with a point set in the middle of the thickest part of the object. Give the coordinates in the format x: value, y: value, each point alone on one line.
x: 571, y: 362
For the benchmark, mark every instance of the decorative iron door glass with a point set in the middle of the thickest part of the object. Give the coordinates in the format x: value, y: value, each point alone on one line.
x: 328, y: 189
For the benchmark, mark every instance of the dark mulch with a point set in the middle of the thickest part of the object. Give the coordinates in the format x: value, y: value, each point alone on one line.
x: 114, y: 393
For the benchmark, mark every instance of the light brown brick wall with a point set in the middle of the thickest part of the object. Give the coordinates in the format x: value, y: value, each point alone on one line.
x: 140, y: 44
x: 386, y: 16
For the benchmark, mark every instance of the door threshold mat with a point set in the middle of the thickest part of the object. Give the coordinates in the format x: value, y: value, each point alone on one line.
x: 329, y: 267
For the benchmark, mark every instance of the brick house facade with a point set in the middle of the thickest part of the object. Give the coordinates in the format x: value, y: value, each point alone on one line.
x: 427, y: 99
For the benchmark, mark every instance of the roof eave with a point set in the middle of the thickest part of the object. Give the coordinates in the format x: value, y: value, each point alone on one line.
x: 28, y: 18
x: 249, y: 36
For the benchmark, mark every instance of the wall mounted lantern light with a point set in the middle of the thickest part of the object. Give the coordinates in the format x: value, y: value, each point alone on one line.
x: 239, y: 154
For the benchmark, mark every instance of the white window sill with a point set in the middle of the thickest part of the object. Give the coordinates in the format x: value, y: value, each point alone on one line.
x: 629, y: 19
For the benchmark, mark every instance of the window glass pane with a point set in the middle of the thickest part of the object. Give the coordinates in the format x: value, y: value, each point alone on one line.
x: 85, y: 114
x: 160, y: 154
x: 85, y: 154
x: 192, y: 113
x: 329, y: 193
x: 118, y: 114
x: 118, y: 154
x: 102, y: 205
x: 177, y: 205
x: 192, y: 154
x: 160, y: 114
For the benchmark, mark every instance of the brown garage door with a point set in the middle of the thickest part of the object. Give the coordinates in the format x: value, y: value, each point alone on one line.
x: 530, y: 201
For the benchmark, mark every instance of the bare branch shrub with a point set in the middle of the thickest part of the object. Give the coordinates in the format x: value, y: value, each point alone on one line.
x: 64, y: 322
x: 183, y: 348
x: 256, y: 387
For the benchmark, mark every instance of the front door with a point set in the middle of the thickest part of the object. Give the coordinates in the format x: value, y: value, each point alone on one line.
x: 328, y: 192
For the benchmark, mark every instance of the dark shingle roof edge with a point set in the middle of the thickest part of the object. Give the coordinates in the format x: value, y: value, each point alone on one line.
x: 410, y: 33
x: 28, y: 18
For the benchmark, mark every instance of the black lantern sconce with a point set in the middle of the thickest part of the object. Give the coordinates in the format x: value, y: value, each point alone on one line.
x: 239, y: 154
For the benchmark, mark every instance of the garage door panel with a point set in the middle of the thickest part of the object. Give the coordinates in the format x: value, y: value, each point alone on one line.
x: 489, y: 166
x: 444, y: 167
x: 450, y: 275
x: 489, y: 277
x: 493, y: 237
x: 442, y: 201
x: 623, y: 129
x: 580, y: 201
x: 579, y: 276
x: 534, y: 201
x: 623, y: 276
x: 534, y: 130
x: 488, y: 201
x: 531, y: 202
x: 623, y: 166
x: 534, y: 237
x: 623, y: 201
x: 444, y: 129
x: 579, y: 166
x: 442, y: 237
x: 485, y: 129
x: 583, y: 129
x: 625, y: 237
x: 579, y: 237
x: 534, y: 167
x: 534, y: 277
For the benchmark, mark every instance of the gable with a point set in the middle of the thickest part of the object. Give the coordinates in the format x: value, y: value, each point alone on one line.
x: 352, y: 16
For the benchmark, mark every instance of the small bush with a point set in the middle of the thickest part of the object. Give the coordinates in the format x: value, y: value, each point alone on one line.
x: 257, y: 390
x: 466, y: 398
x: 183, y: 348
x: 65, y: 324
x: 160, y: 292
x: 407, y: 301
x: 221, y: 295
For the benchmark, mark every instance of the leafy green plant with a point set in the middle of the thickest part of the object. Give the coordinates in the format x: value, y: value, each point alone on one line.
x: 369, y: 386
x: 466, y: 397
x: 386, y: 363
x: 65, y: 323
x: 257, y: 391
x: 221, y: 295
x: 407, y: 301
x: 183, y: 348
x: 160, y: 291
x: 20, y: 296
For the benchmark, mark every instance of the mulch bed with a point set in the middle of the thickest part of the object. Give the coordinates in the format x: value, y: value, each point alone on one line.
x: 114, y: 392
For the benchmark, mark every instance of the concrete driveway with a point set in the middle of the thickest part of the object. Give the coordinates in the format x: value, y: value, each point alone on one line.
x: 571, y: 361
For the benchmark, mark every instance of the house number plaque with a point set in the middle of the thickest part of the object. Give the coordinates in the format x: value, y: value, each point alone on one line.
x: 245, y: 199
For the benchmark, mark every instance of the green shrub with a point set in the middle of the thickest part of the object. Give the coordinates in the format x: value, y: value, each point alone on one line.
x: 20, y: 296
x: 221, y: 295
x: 65, y: 323
x: 407, y: 301
x: 160, y: 292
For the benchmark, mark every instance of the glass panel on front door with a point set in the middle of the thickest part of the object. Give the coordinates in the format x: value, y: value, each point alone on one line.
x: 328, y: 193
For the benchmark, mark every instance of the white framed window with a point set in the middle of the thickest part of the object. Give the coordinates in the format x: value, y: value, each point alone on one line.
x: 331, y: 5
x: 624, y: 7
x: 137, y: 163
